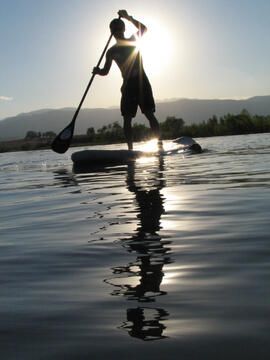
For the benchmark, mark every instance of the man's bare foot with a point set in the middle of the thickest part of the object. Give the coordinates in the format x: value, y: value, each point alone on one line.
x: 160, y: 145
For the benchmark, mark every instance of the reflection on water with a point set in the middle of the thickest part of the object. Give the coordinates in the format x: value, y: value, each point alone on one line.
x: 182, y: 243
x: 146, y: 323
x: 141, y: 279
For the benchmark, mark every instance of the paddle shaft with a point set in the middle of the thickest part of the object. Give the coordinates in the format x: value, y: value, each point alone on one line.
x: 91, y: 80
x: 62, y: 141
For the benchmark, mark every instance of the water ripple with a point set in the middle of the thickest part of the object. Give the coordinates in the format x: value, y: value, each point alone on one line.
x: 175, y: 249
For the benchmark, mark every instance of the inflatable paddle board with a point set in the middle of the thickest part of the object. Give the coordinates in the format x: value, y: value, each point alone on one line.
x: 86, y: 157
x: 107, y: 157
x: 188, y: 144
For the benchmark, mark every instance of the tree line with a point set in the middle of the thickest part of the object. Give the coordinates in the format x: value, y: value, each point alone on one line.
x: 172, y: 127
x: 230, y: 124
x: 30, y: 135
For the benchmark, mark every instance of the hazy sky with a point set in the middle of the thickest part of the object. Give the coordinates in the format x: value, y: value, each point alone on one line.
x: 193, y: 49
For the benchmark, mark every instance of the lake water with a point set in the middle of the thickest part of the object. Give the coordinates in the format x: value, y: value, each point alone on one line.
x: 167, y: 258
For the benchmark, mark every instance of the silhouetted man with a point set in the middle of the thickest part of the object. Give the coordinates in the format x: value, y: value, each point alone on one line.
x: 136, y: 89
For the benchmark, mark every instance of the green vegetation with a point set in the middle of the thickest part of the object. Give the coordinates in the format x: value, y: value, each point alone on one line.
x: 171, y: 128
x: 243, y: 123
x: 32, y: 141
x: 30, y: 135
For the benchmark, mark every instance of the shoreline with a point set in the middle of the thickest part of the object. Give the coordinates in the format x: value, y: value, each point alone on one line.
x: 31, y: 145
x: 45, y: 144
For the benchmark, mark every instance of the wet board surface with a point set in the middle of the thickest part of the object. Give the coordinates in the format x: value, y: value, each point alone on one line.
x: 106, y: 156
x: 93, y: 156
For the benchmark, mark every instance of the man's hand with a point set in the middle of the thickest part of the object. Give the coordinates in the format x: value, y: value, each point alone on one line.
x: 96, y: 71
x: 124, y: 14
x: 141, y: 27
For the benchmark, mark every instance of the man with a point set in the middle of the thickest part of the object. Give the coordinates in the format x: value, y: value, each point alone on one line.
x: 136, y: 89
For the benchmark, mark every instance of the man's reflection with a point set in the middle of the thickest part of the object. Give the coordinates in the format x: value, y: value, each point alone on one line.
x: 140, y: 325
x: 151, y: 250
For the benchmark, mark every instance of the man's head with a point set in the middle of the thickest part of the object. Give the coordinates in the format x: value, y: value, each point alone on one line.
x: 117, y: 27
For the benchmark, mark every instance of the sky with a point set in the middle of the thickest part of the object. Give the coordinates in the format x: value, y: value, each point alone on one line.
x: 204, y: 49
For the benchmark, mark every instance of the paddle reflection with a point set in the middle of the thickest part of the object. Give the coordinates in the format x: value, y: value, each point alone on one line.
x: 152, y: 254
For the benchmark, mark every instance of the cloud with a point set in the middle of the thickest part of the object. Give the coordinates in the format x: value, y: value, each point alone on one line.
x: 5, y: 98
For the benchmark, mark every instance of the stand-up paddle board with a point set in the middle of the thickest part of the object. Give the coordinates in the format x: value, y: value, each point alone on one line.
x: 188, y: 144
x: 105, y: 157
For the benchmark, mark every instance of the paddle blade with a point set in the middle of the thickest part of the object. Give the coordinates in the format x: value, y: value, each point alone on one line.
x: 62, y: 141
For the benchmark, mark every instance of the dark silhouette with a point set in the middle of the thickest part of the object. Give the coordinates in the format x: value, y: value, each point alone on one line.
x: 138, y: 325
x: 144, y: 322
x: 136, y: 89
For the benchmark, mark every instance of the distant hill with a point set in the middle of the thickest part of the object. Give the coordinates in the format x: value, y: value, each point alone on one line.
x: 191, y: 110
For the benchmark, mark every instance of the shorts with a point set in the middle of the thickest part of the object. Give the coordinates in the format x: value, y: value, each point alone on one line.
x: 137, y: 91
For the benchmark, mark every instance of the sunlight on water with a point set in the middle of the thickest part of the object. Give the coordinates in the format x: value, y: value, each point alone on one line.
x: 150, y: 146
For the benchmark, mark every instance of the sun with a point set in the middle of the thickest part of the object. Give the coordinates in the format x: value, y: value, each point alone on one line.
x: 155, y: 46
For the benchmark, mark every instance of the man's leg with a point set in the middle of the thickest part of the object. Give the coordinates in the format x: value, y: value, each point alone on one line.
x: 155, y: 128
x: 128, y: 131
x: 153, y: 124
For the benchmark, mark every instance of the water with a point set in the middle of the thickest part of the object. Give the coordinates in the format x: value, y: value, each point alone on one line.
x: 165, y: 259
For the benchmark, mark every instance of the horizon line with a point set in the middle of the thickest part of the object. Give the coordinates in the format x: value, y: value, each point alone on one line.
x: 166, y: 100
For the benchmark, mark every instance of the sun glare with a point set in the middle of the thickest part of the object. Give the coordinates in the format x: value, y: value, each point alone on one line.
x: 149, y: 146
x: 155, y: 46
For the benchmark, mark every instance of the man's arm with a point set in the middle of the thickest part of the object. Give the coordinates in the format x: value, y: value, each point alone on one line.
x: 141, y: 27
x: 106, y: 68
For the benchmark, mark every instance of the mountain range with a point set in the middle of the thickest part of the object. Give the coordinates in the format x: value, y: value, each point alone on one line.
x: 190, y: 110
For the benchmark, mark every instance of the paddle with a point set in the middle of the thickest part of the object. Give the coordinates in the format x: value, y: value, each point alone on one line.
x: 62, y: 141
